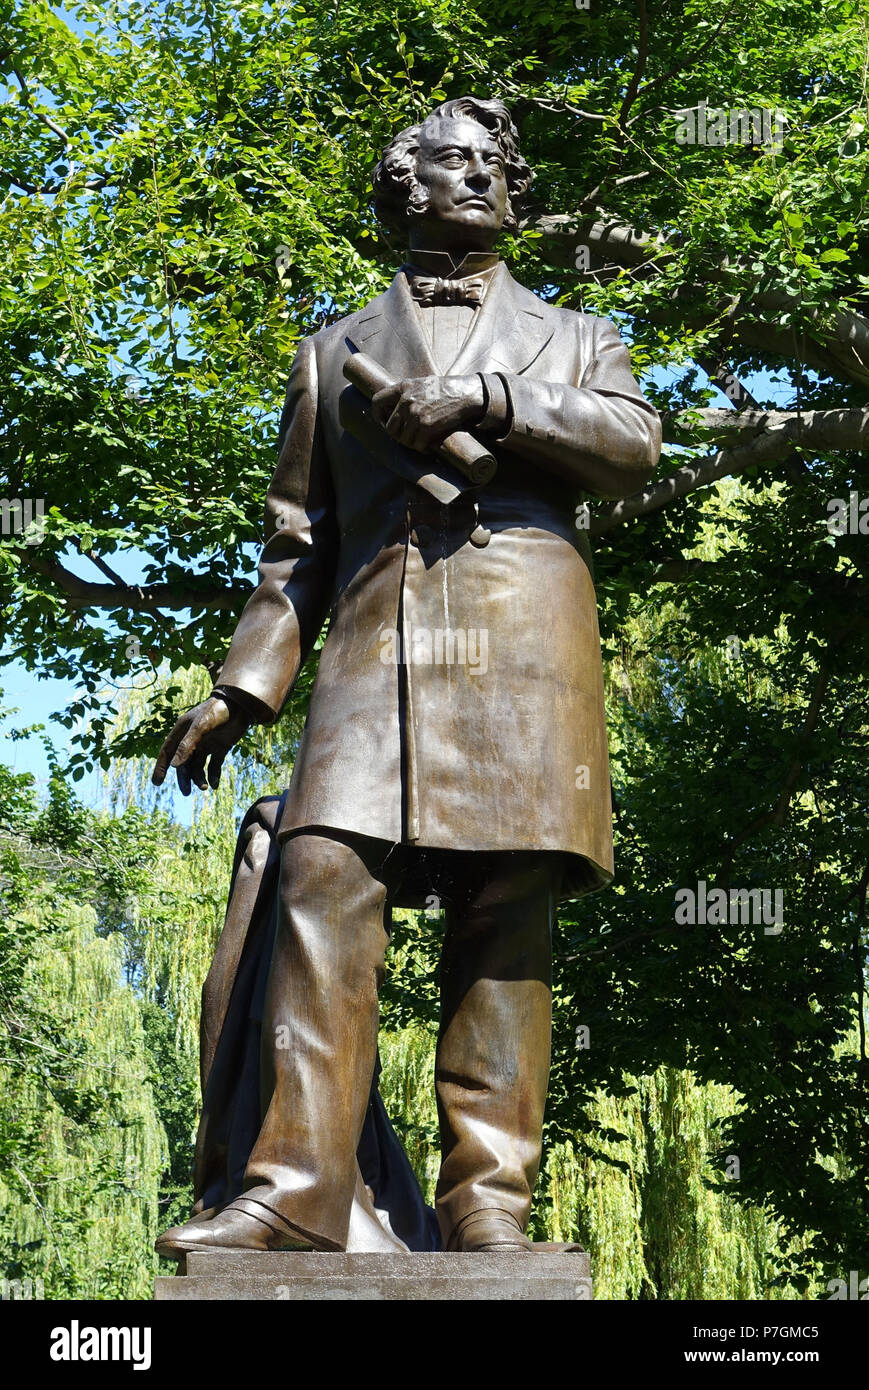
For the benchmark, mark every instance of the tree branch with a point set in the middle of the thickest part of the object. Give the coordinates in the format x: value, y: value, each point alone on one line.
x: 32, y: 188
x: 763, y: 449
x: 836, y: 588
x: 726, y: 381
x: 148, y: 598
x: 640, y: 65
x: 822, y: 429
x: 839, y: 347
x: 40, y: 115
x: 52, y: 189
x: 681, y: 64
x: 106, y: 569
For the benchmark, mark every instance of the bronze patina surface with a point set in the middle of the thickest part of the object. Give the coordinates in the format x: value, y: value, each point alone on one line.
x: 455, y: 743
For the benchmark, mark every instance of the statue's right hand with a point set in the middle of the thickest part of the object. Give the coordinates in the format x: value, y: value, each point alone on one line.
x: 204, y: 734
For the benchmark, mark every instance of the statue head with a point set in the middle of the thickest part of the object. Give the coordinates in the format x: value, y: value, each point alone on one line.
x: 456, y: 179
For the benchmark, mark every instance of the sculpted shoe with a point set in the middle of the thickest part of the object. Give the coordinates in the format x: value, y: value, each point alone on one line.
x: 240, y: 1226
x: 494, y: 1231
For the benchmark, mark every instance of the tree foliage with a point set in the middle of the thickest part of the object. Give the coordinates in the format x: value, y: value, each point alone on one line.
x: 186, y: 195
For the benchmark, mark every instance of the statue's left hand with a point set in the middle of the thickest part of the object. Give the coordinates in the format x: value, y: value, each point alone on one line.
x: 421, y: 411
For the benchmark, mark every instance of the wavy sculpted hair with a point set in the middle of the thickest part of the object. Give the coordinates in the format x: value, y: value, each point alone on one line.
x: 398, y: 193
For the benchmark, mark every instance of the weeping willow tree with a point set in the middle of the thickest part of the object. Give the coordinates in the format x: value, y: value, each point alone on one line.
x: 108, y: 921
x: 174, y: 913
x: 82, y: 1146
x: 174, y: 918
x: 81, y: 1211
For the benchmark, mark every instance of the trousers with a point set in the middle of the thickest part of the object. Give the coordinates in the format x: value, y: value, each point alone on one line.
x: 321, y: 1021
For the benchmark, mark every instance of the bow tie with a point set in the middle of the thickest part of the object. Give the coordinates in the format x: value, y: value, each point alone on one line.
x: 434, y: 290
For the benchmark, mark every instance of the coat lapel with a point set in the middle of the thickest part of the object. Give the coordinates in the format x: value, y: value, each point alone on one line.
x: 509, y: 331
x: 388, y: 331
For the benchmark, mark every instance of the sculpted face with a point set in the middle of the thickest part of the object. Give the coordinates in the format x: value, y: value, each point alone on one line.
x: 462, y: 167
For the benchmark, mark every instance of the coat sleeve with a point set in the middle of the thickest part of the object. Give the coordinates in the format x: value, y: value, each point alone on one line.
x: 283, y: 617
x: 601, y: 433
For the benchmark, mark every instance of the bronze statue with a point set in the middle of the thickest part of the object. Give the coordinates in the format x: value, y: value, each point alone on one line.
x: 455, y: 743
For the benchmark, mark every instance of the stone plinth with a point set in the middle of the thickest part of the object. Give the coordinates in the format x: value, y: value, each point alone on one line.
x: 551, y: 1273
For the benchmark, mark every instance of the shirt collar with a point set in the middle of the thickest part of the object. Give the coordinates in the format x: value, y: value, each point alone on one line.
x: 441, y: 263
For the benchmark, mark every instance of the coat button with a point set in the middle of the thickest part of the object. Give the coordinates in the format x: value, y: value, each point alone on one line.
x: 480, y: 536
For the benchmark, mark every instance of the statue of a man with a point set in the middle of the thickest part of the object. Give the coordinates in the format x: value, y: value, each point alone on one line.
x: 455, y: 747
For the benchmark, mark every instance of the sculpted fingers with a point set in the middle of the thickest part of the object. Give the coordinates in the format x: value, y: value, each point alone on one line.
x: 158, y: 773
x: 396, y: 423
x: 196, y: 768
x: 406, y: 410
x: 410, y: 422
x: 215, y: 766
x: 383, y: 402
x: 187, y: 747
x: 205, y: 717
x: 167, y: 752
x: 195, y: 736
x: 422, y: 430
x: 415, y: 435
x: 425, y: 428
x: 425, y: 411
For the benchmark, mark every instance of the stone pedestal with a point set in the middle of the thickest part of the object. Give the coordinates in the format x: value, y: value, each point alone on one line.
x: 552, y: 1273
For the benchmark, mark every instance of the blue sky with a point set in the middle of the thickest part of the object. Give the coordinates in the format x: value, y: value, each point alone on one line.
x: 35, y: 700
